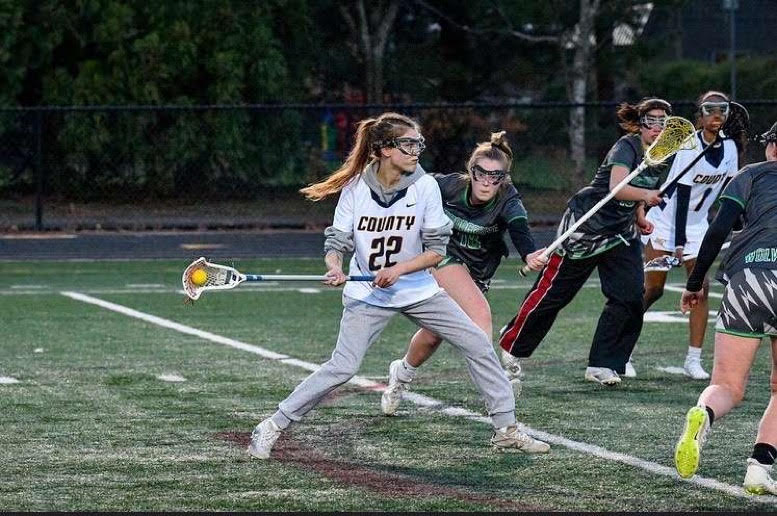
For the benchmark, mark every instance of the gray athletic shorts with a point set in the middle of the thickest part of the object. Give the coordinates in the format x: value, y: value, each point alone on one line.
x: 749, y: 307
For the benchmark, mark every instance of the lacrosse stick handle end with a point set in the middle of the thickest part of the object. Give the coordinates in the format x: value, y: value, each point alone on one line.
x: 523, y: 271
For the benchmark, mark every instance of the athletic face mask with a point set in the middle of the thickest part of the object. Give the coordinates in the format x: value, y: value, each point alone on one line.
x: 651, y: 122
x: 769, y: 136
x: 409, y: 146
x: 488, y: 177
x: 714, y: 108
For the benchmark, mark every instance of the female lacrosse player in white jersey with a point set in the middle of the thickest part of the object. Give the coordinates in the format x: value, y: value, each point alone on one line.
x: 681, y: 219
x: 390, y: 217
x: 748, y: 313
x: 483, y: 205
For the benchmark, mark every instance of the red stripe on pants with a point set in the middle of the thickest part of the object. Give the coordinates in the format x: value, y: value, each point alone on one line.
x: 549, y: 273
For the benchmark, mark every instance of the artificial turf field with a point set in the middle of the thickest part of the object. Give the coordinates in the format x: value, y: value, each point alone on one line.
x: 147, y: 404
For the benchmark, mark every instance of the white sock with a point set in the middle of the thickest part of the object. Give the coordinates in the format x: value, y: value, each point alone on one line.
x: 407, y: 372
x: 694, y: 354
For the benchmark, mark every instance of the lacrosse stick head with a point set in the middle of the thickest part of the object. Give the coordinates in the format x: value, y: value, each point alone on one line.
x: 737, y: 125
x: 216, y: 277
x: 677, y: 134
x: 662, y: 264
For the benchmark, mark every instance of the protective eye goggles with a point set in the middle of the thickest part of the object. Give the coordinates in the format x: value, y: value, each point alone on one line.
x: 768, y: 137
x: 408, y: 146
x: 652, y: 122
x: 714, y: 108
x: 488, y: 177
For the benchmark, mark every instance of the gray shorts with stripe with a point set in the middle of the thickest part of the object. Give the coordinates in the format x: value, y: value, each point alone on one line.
x: 749, y: 307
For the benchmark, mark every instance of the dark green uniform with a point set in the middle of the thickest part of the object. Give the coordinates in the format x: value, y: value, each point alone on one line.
x: 755, y: 247
x: 614, y: 223
x: 478, y: 230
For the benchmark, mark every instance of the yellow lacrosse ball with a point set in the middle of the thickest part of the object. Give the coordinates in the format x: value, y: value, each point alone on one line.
x: 199, y: 277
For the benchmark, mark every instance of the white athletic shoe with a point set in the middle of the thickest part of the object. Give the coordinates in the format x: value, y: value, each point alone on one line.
x: 687, y: 452
x: 758, y: 479
x: 512, y: 367
x: 693, y: 369
x: 392, y: 396
x: 630, y: 371
x: 263, y: 438
x: 510, y: 439
x: 602, y: 375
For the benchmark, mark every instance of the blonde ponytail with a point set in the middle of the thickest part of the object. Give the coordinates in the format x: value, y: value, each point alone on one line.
x: 371, y: 135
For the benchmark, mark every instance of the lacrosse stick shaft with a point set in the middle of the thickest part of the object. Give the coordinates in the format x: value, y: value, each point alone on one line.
x: 617, y: 188
x: 684, y: 171
x: 299, y: 277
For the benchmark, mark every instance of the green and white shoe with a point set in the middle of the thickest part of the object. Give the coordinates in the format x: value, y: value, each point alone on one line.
x: 687, y: 453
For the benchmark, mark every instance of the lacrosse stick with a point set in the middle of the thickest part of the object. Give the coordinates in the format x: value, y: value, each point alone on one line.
x: 201, y: 275
x: 735, y: 126
x: 662, y: 263
x: 677, y: 134
x: 667, y: 262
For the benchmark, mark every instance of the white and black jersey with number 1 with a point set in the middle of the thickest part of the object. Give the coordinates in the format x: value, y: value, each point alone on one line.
x: 386, y: 233
x: 707, y: 179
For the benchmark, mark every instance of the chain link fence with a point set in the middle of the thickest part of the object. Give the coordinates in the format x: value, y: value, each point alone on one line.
x: 239, y: 167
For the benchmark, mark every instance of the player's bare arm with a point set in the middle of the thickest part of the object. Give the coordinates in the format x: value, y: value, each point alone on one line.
x: 334, y: 265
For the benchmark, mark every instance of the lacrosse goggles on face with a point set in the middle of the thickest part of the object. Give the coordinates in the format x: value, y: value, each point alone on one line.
x: 652, y: 122
x: 488, y: 177
x: 408, y: 146
x: 768, y: 137
x: 714, y: 108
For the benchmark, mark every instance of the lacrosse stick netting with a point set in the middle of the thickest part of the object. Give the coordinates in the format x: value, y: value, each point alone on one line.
x: 218, y: 277
x: 677, y: 135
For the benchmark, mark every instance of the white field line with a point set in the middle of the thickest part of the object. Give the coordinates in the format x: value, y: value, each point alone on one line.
x: 171, y: 377
x: 671, y: 369
x: 425, y: 401
x: 7, y: 380
x: 672, y: 317
x: 681, y: 289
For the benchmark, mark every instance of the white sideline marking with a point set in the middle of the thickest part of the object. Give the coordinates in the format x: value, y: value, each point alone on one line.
x: 145, y: 285
x: 7, y: 380
x: 36, y: 236
x: 425, y: 401
x: 169, y: 377
x: 671, y: 369
x: 672, y: 317
x: 27, y: 286
x: 309, y: 290
x: 681, y: 289
x: 37, y: 350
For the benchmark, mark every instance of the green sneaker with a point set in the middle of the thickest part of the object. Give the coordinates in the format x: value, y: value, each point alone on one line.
x: 687, y: 453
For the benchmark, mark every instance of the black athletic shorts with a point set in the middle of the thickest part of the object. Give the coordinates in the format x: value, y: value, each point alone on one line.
x: 451, y: 260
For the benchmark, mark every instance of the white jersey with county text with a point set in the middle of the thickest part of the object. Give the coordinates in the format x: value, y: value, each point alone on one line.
x: 707, y: 181
x: 386, y: 233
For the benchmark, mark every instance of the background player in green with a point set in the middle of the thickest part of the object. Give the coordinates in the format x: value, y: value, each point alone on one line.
x: 482, y: 204
x: 748, y: 313
x: 608, y: 241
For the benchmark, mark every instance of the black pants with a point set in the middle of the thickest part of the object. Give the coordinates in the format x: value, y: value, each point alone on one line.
x: 622, y: 278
